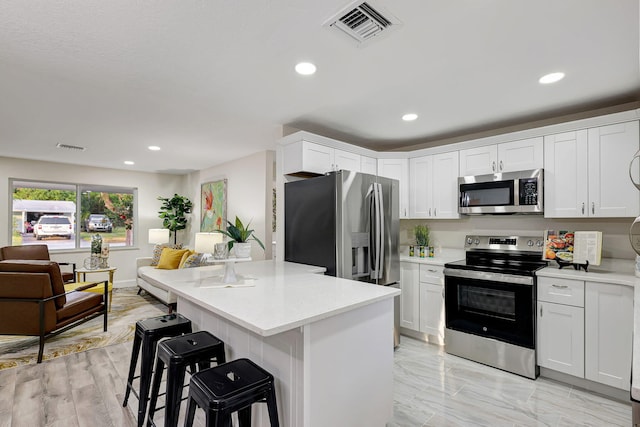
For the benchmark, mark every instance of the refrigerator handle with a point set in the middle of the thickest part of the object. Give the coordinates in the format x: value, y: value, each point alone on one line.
x: 371, y: 195
x: 381, y: 231
x: 376, y: 231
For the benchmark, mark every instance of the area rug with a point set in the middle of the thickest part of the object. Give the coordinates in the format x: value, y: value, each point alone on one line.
x: 126, y: 308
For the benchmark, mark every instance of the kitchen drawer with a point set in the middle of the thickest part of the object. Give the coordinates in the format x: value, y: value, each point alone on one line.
x: 432, y: 274
x: 561, y: 291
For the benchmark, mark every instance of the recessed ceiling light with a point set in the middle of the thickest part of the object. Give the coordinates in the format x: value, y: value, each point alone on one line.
x: 305, y: 68
x: 551, y: 78
x: 153, y: 148
x: 129, y: 162
x: 409, y: 117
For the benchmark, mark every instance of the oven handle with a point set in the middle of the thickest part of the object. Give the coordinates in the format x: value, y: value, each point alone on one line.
x: 488, y: 276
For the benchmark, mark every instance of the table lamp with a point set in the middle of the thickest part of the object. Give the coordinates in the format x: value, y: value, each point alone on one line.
x: 206, y: 242
x: 158, y: 236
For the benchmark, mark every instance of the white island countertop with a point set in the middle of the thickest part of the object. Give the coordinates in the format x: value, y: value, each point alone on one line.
x: 281, y: 297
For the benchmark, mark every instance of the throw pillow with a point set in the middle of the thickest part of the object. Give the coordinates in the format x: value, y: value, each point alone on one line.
x: 170, y: 258
x: 185, y: 256
x: 157, y: 251
x: 193, y: 260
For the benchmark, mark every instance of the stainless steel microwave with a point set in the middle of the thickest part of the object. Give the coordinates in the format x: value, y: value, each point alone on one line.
x: 502, y: 193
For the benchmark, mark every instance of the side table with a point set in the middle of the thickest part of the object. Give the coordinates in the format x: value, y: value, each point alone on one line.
x: 82, y: 272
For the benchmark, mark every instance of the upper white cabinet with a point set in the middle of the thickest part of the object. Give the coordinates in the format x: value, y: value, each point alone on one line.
x: 505, y: 157
x: 586, y: 172
x: 397, y: 169
x: 433, y: 186
x: 308, y: 157
x: 368, y: 165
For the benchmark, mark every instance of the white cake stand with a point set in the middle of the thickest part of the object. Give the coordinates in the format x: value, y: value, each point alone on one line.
x: 230, y: 279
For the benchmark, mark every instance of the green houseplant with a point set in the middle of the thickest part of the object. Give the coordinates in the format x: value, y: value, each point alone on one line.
x: 422, y: 235
x: 240, y: 236
x: 173, y: 211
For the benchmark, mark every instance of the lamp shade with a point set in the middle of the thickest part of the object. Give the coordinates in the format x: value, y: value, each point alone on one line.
x: 205, y: 242
x: 158, y: 235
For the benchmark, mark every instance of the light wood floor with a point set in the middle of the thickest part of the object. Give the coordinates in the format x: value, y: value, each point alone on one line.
x: 432, y: 388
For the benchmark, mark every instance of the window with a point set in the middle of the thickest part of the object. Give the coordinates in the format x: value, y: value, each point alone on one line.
x: 65, y: 216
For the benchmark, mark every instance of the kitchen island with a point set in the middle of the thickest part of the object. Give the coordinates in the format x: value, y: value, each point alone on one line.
x: 327, y: 341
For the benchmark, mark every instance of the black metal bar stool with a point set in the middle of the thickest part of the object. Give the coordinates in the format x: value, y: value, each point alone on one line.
x: 148, y: 333
x: 198, y: 348
x: 231, y: 387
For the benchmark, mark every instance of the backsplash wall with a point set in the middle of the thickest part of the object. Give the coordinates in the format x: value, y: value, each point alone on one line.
x: 451, y: 233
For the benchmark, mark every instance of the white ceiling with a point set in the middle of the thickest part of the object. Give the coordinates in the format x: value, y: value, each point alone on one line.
x: 213, y: 80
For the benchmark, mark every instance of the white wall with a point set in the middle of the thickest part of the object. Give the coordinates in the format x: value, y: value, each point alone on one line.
x: 451, y: 233
x: 149, y: 185
x: 249, y: 190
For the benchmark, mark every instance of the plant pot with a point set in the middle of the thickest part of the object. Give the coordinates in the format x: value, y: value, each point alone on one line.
x: 242, y: 250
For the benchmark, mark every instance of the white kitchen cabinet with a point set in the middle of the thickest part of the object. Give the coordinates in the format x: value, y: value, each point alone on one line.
x: 397, y: 169
x: 420, y: 185
x: 608, y: 333
x: 432, y: 301
x: 410, y: 297
x: 368, y: 165
x: 586, y: 172
x: 560, y: 338
x: 585, y: 329
x: 505, y: 157
x: 344, y: 160
x: 433, y: 186
x: 611, y: 192
x: 560, y: 325
x: 308, y: 157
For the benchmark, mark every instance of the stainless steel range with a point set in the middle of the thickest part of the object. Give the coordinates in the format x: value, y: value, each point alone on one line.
x: 490, y: 302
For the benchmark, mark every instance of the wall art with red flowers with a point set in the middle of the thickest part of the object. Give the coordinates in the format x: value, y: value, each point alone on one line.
x: 213, y: 206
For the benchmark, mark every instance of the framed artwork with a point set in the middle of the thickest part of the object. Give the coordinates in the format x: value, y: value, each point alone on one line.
x: 213, y: 206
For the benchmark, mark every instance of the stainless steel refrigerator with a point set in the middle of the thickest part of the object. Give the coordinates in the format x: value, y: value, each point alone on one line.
x: 347, y: 222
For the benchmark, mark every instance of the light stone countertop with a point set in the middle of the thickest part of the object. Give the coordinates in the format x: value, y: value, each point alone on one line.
x: 610, y: 270
x: 442, y: 257
x: 282, y: 297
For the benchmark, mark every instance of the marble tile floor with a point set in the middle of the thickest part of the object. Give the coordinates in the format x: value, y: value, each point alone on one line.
x: 433, y: 388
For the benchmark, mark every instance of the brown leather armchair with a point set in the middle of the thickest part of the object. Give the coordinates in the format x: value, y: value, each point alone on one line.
x: 38, y: 252
x: 33, y: 301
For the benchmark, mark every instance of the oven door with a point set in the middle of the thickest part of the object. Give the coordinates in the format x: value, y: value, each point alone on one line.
x: 493, y: 305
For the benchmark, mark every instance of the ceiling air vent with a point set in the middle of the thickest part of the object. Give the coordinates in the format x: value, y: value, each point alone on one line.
x: 362, y: 22
x: 70, y: 147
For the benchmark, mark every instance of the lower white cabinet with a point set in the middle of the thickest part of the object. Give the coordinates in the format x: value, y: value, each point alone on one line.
x: 432, y: 310
x: 608, y: 333
x: 410, y: 297
x: 585, y: 329
x: 422, y: 299
x: 561, y: 338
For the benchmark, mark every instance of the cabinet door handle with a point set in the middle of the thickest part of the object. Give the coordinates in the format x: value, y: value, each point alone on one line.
x: 429, y: 211
x: 582, y: 208
x: 593, y: 207
x: 431, y: 271
x: 501, y: 165
x: 560, y: 286
x: 442, y: 293
x: 493, y: 166
x: 435, y: 211
x: 541, y: 310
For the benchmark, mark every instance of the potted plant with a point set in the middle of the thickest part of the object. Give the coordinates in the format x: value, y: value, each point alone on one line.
x: 240, y: 235
x: 172, y: 212
x: 422, y: 237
